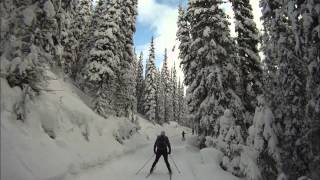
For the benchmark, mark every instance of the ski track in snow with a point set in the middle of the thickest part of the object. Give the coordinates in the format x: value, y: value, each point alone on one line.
x: 188, y: 160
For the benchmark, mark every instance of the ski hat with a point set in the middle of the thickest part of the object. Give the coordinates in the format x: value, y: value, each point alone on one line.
x: 163, y: 133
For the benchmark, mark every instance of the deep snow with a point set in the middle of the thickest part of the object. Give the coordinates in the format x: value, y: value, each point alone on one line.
x: 61, y: 138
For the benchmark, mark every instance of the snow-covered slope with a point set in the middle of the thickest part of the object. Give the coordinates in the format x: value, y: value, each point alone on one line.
x: 61, y: 135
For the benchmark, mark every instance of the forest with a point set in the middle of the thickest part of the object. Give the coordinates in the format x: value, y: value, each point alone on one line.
x: 255, y: 97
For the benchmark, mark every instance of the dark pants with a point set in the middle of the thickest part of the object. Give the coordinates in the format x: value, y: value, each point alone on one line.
x: 165, y: 157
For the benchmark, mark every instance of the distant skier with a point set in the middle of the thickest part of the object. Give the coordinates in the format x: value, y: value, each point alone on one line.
x: 183, y: 138
x: 160, y: 148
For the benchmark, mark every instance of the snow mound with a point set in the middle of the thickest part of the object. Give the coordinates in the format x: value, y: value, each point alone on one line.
x: 211, y: 155
x: 59, y: 135
x: 211, y: 159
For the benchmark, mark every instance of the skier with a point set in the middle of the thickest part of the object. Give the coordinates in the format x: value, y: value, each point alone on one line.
x: 160, y: 148
x: 183, y: 133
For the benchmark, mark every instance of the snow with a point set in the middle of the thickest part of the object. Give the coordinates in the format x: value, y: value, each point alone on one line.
x: 192, y: 163
x: 62, y: 138
x: 29, y: 15
x: 49, y: 9
x: 61, y: 135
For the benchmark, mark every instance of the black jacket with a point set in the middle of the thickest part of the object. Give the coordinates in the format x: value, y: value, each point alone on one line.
x: 162, y: 144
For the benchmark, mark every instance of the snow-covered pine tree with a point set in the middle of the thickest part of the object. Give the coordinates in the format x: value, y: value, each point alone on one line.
x: 188, y: 66
x: 181, y: 109
x: 270, y: 60
x: 159, y: 98
x: 134, y: 72
x: 287, y: 94
x: 30, y: 41
x: 305, y: 23
x: 81, y: 26
x: 291, y: 101
x: 140, y: 85
x: 69, y: 42
x: 165, y: 77
x: 126, y: 99
x: 169, y: 96
x: 157, y: 80
x: 174, y: 93
x: 311, y: 45
x: 162, y: 90
x: 91, y: 39
x: 213, y: 64
x: 260, y: 158
x: 249, y: 59
x: 150, y: 86
x: 183, y: 35
x: 230, y: 142
x: 104, y: 58
x: 25, y: 45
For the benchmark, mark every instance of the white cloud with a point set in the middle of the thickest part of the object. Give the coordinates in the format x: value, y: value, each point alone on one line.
x: 163, y: 19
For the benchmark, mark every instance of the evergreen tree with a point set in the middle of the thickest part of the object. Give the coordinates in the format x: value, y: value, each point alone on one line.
x: 250, y: 64
x: 213, y: 64
x: 81, y: 26
x: 126, y: 99
x: 84, y: 59
x: 31, y: 35
x: 303, y: 17
x: 310, y: 47
x: 69, y: 41
x: 150, y: 86
x: 181, y: 102
x: 183, y: 35
x: 174, y: 93
x: 270, y: 60
x: 169, y: 97
x: 230, y: 142
x: 165, y: 77
x: 140, y: 85
x: 261, y: 156
x: 159, y: 98
x: 104, y: 59
x: 287, y: 94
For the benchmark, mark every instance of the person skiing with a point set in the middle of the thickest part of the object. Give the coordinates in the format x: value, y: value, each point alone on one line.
x: 162, y: 147
x: 183, y: 133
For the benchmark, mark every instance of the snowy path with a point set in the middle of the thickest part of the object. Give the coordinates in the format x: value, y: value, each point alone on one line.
x: 188, y: 160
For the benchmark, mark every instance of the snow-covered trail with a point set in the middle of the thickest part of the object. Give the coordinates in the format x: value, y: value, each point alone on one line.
x: 188, y: 160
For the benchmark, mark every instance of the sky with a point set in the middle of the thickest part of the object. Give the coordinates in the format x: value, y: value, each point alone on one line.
x: 158, y: 18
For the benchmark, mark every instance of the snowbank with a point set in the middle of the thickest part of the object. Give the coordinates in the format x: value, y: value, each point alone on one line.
x: 61, y: 135
x: 211, y: 159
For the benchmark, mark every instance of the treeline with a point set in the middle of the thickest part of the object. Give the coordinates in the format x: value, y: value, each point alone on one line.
x: 160, y: 94
x: 92, y: 46
x: 263, y: 114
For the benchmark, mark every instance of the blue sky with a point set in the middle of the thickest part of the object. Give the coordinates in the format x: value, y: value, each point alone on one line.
x: 144, y: 30
x: 158, y: 18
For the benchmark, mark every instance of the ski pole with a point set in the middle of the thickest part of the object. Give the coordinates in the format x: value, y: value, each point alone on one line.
x: 175, y: 164
x: 144, y: 164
